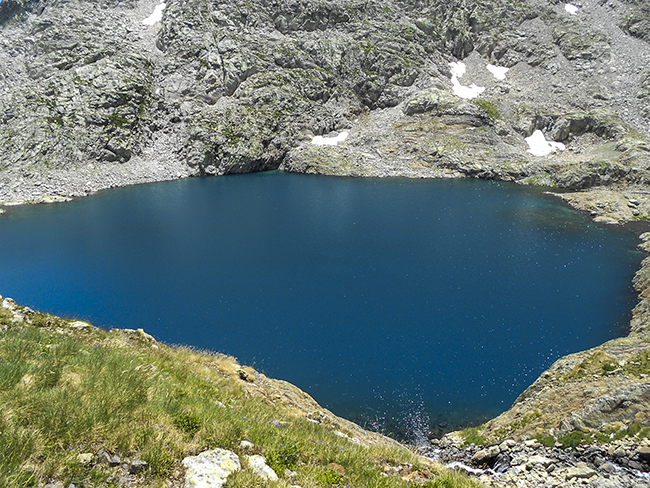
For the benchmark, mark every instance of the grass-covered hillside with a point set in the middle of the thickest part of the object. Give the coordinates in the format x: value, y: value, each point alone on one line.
x: 89, y: 407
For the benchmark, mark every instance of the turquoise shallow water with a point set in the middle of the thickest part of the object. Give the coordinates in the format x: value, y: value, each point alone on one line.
x: 402, y: 304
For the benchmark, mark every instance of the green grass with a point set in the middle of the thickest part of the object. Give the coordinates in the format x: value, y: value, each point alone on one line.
x: 610, y: 434
x: 473, y: 436
x: 488, y: 107
x: 66, y: 392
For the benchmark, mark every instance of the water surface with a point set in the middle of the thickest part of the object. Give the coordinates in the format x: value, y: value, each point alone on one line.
x: 402, y: 304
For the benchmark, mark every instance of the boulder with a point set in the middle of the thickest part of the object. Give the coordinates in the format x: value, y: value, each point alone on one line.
x: 210, y: 469
x: 258, y: 464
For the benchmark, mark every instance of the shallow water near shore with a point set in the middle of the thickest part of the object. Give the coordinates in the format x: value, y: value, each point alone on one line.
x: 401, y: 304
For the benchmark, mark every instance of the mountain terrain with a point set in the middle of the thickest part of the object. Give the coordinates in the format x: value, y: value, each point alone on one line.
x: 106, y: 93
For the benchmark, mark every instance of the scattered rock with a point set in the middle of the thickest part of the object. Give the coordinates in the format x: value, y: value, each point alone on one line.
x: 644, y: 453
x: 539, y: 460
x: 485, y: 456
x: 85, y: 458
x: 246, y: 374
x: 78, y: 324
x: 137, y: 466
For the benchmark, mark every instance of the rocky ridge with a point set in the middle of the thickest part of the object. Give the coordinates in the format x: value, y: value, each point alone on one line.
x: 92, y: 97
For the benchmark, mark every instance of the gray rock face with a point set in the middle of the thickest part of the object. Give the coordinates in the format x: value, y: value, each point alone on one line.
x: 623, y: 404
x: 92, y: 97
x: 638, y: 22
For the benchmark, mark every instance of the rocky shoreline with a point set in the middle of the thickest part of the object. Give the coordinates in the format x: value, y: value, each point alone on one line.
x: 617, y: 465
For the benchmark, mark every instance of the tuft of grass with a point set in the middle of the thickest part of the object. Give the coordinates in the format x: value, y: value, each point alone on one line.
x: 188, y: 423
x: 575, y: 439
x: 488, y: 107
x: 452, y: 479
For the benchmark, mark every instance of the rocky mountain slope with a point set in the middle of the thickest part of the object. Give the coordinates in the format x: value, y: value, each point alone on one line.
x: 97, y: 94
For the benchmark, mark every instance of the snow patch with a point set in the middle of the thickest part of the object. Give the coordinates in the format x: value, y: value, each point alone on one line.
x: 572, y: 9
x: 156, y: 16
x: 457, y: 69
x: 330, y: 141
x: 499, y: 72
x: 467, y: 92
x: 539, y: 146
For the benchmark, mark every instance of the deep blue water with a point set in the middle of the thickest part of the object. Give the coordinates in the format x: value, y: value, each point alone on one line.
x: 397, y: 303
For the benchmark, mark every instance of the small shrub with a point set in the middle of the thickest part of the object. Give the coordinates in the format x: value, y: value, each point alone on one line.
x: 284, y: 457
x: 574, y: 439
x: 643, y: 433
x: 602, y: 438
x: 608, y: 367
x: 328, y: 477
x: 634, y: 429
x: 545, y: 440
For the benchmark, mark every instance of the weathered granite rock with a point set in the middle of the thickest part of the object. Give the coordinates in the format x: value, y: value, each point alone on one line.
x: 85, y: 458
x: 579, y: 472
x: 486, y: 456
x: 210, y: 469
x: 258, y: 464
x: 577, y: 41
x: 638, y: 22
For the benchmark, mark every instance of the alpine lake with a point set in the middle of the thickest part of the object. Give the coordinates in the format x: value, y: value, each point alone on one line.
x: 408, y: 306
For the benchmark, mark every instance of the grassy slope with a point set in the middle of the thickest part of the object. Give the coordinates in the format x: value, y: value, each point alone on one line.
x: 66, y: 392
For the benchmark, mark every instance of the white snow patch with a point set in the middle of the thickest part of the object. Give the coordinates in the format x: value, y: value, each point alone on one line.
x: 539, y: 146
x: 457, y: 69
x: 156, y: 16
x: 330, y: 141
x: 572, y: 9
x: 467, y: 92
x: 499, y: 72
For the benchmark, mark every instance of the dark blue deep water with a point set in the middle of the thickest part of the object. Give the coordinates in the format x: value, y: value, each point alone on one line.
x: 401, y: 304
